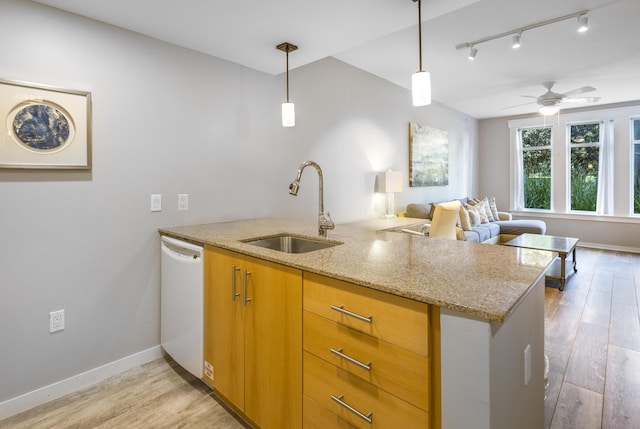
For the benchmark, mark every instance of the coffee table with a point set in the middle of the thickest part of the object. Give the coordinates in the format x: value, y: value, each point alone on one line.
x: 562, y: 245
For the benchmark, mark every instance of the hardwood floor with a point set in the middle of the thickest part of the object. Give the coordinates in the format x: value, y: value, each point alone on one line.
x: 159, y: 394
x: 592, y: 339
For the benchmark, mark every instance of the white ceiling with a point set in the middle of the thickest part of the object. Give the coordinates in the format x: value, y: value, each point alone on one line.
x: 381, y: 37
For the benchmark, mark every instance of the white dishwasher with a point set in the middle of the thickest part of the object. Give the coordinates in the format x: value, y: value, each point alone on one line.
x: 181, y: 303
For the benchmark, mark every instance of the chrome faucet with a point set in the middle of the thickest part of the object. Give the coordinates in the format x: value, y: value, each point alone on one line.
x: 324, y: 219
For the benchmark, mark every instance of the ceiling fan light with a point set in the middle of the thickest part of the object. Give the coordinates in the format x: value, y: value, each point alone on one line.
x: 421, y: 88
x: 548, y: 110
x: 516, y: 41
x: 472, y: 54
x: 583, y: 23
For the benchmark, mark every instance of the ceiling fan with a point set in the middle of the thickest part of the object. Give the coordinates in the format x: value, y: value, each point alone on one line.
x: 549, y: 102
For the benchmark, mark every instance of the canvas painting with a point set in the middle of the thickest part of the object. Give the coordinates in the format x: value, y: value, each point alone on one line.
x: 428, y: 156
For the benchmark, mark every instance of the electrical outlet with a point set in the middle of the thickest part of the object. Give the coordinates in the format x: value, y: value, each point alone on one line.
x: 183, y: 201
x: 156, y: 202
x: 56, y: 321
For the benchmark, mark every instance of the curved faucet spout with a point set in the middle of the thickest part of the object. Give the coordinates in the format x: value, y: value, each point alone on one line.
x: 324, y: 219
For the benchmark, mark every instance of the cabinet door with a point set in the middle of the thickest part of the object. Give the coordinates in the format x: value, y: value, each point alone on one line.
x: 273, y: 345
x: 224, y: 324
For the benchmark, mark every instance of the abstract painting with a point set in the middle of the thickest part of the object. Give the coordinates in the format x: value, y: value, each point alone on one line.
x: 428, y: 156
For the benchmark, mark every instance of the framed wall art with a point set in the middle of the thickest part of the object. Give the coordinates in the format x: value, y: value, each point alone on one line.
x: 428, y: 156
x: 43, y: 127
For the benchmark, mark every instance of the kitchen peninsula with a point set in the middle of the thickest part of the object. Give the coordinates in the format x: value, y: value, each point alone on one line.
x: 485, y: 306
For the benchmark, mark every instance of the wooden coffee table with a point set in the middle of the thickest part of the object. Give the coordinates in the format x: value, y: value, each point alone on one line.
x: 562, y: 245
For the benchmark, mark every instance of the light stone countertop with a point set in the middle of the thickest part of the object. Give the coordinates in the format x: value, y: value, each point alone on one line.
x: 483, y: 280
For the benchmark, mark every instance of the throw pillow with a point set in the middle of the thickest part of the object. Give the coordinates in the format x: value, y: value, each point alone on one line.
x: 483, y: 214
x: 474, y: 216
x: 494, y: 208
x: 487, y: 210
x: 465, y: 222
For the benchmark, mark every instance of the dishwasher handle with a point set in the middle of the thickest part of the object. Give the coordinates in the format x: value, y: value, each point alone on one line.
x: 181, y: 250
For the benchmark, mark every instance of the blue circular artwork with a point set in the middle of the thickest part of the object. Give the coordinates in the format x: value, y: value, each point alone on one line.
x: 41, y: 127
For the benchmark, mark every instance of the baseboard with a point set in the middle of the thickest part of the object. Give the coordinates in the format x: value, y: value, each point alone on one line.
x: 64, y: 387
x: 609, y: 247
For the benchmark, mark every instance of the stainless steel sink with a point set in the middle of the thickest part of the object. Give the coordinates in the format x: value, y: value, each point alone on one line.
x: 291, y: 243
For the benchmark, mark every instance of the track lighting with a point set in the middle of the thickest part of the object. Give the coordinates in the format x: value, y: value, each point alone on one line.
x: 421, y: 80
x: 472, y: 53
x: 517, y: 33
x: 288, y: 108
x: 583, y: 23
x: 516, y: 40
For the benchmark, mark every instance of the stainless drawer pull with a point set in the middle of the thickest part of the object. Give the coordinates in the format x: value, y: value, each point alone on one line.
x: 340, y: 309
x: 234, y: 269
x: 338, y: 352
x: 244, y: 285
x: 366, y: 417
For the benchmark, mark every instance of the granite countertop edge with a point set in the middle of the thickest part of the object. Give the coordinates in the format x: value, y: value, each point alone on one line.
x: 482, y: 280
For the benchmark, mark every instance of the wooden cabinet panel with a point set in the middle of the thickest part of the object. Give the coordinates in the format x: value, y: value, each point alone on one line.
x: 273, y: 345
x: 253, y: 337
x: 394, y: 319
x: 323, y: 380
x: 397, y: 370
x: 224, y: 325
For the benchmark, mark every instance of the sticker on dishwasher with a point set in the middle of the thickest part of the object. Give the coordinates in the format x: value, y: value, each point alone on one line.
x: 208, y: 370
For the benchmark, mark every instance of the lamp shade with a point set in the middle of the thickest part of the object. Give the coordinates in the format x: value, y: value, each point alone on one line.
x: 421, y: 88
x: 288, y: 115
x: 390, y: 181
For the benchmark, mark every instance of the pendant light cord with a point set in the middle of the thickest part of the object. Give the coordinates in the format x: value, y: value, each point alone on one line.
x: 287, y: 62
x: 420, y: 31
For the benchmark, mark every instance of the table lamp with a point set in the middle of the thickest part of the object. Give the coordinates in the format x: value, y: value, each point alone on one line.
x: 388, y: 183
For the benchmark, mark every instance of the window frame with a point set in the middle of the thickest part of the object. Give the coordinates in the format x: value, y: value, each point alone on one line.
x: 569, y: 145
x: 632, y: 146
x: 522, y: 150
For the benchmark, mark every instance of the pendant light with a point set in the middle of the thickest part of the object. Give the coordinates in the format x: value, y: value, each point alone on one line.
x: 421, y: 80
x: 288, y: 110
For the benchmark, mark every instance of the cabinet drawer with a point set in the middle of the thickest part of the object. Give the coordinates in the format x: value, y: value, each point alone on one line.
x: 397, y: 320
x: 394, y: 369
x: 323, y: 382
x: 318, y: 417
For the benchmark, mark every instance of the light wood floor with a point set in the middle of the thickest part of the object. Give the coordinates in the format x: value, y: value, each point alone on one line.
x: 592, y: 339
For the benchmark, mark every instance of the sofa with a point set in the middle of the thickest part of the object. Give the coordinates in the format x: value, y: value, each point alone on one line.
x: 487, y: 231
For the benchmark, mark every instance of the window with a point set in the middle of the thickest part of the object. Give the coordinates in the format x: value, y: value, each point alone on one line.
x: 584, y: 167
x: 536, y: 167
x: 635, y: 124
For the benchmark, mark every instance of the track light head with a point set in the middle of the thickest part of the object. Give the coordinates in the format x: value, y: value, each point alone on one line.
x: 583, y: 23
x: 516, y: 40
x: 472, y: 53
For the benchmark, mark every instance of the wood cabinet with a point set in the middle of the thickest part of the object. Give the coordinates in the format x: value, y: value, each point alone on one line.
x: 253, y: 337
x: 367, y: 357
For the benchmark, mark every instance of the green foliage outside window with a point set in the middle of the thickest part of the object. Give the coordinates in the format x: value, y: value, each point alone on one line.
x: 536, y: 144
x: 636, y: 166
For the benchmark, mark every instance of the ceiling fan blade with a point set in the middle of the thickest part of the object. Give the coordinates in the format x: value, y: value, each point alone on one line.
x: 581, y: 100
x: 519, y: 105
x: 529, y: 96
x: 578, y: 91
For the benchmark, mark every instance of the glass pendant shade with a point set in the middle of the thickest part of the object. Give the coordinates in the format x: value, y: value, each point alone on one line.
x: 288, y: 115
x: 421, y: 88
x: 549, y: 110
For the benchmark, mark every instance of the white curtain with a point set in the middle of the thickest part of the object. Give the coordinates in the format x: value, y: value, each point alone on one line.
x: 518, y: 176
x: 604, y: 204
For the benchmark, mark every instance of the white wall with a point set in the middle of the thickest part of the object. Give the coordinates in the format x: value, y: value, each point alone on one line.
x: 168, y: 120
x: 617, y: 231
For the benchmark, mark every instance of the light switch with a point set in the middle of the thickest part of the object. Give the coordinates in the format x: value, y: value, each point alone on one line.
x: 183, y: 201
x: 156, y: 202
